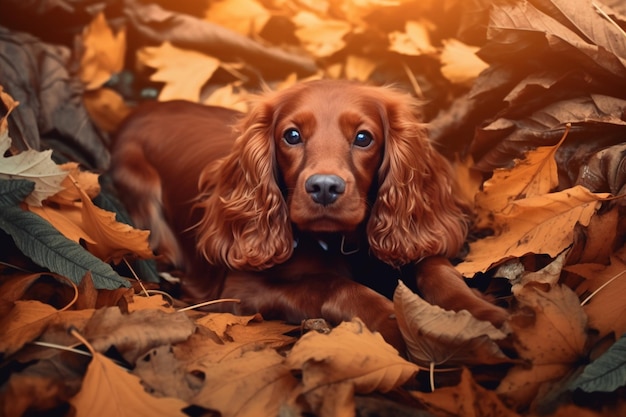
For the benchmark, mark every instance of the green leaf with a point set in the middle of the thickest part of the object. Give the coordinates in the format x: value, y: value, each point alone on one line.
x: 46, y: 246
x: 607, y: 373
x: 13, y: 192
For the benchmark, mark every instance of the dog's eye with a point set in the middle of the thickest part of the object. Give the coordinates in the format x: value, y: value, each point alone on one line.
x: 292, y: 136
x: 363, y: 138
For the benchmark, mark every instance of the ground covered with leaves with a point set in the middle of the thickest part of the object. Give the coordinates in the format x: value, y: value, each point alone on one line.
x: 528, y: 98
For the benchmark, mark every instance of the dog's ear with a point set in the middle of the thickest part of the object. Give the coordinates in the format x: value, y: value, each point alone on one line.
x: 417, y: 212
x: 245, y: 222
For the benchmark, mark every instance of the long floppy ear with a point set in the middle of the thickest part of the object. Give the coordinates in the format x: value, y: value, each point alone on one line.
x: 417, y: 212
x: 245, y: 222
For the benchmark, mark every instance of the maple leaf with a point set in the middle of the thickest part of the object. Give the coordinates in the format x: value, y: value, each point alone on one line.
x: 247, y: 17
x: 220, y: 323
x: 103, y: 53
x: 320, y: 37
x: 460, y: 64
x: 31, y: 165
x: 441, y: 337
x: 181, y: 81
x: 541, y: 225
x: 109, y: 390
x: 350, y: 359
x: 532, y: 176
x: 552, y: 339
x: 414, y: 41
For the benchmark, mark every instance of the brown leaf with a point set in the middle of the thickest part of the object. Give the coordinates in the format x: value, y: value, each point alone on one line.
x: 109, y: 390
x: 541, y: 225
x: 352, y: 355
x: 221, y: 322
x: 24, y: 323
x: 136, y: 333
x: 551, y: 334
x: 606, y: 311
x: 441, y: 337
x: 255, y: 384
x: 466, y: 399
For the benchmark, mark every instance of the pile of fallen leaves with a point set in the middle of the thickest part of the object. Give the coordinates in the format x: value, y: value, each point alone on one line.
x: 528, y: 97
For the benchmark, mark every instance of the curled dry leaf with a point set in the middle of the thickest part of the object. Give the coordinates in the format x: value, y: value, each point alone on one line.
x: 542, y: 225
x: 441, y: 337
x: 136, y: 333
x: 550, y: 334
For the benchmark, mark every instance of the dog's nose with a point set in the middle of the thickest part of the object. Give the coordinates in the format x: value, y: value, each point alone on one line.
x: 325, y: 189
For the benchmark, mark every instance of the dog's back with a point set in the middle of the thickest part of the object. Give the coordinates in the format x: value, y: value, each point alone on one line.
x: 157, y: 156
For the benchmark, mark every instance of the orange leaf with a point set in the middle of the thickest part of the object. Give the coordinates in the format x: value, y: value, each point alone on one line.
x: 103, y: 53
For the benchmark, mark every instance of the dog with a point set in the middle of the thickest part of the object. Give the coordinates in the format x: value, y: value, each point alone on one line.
x: 312, y: 204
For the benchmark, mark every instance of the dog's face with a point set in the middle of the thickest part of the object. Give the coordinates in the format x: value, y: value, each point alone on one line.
x: 329, y: 146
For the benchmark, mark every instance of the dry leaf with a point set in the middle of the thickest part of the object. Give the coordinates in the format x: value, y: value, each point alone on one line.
x: 459, y: 62
x: 541, y: 225
x: 113, y: 240
x: 532, y: 176
x: 25, y: 321
x: 106, y: 108
x: 67, y: 220
x: 247, y: 17
x: 154, y: 302
x: 135, y: 333
x: 606, y: 311
x: 320, y: 37
x: 85, y: 180
x: 552, y: 338
x: 31, y: 165
x: 253, y: 385
x: 359, y: 68
x: 108, y: 390
x: 441, y: 337
x: 220, y: 323
x: 414, y: 41
x: 184, y: 71
x: 466, y: 399
x: 103, y: 53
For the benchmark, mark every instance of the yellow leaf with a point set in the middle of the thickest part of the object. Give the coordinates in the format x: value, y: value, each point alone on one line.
x: 321, y: 37
x: 459, y: 62
x: 247, y: 17
x: 553, y: 339
x: 540, y: 225
x: 103, y: 53
x: 414, y: 41
x: 183, y: 71
x: 441, y: 337
x: 109, y: 390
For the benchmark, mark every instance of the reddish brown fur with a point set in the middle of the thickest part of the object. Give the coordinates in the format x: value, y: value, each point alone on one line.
x: 226, y: 205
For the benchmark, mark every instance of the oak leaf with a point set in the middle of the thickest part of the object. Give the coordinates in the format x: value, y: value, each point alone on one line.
x: 540, y: 225
x: 109, y: 390
x: 441, y: 337
x: 182, y: 81
x: 551, y: 334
